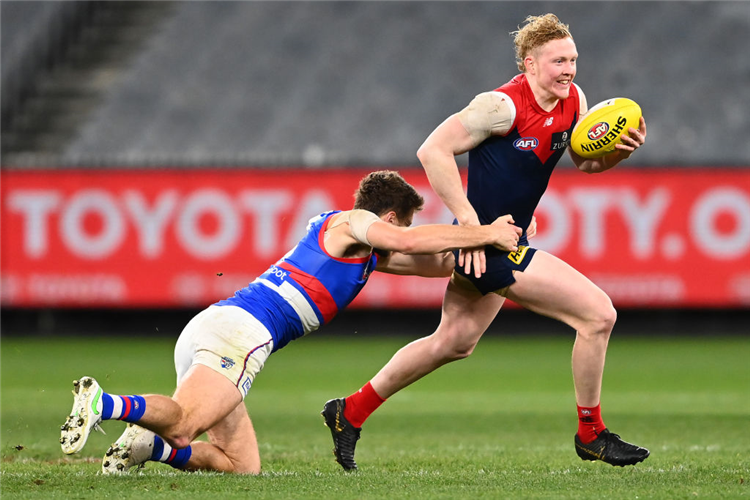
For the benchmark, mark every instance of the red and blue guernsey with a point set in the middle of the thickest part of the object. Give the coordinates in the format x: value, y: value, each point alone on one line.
x: 508, y: 174
x: 306, y: 288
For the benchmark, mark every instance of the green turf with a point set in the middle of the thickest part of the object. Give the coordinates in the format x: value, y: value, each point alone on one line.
x: 499, y: 424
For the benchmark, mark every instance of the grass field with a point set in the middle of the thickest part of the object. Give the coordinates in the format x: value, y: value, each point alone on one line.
x: 499, y: 424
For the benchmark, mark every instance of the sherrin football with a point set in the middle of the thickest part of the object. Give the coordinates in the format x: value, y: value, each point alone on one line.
x: 602, y: 127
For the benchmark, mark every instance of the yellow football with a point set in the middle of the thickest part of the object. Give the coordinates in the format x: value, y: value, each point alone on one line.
x: 602, y: 127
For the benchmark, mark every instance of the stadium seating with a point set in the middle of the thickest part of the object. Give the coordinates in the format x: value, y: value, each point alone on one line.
x: 359, y: 83
x: 33, y: 36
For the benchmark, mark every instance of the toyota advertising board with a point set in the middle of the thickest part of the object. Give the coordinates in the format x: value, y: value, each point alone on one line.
x: 177, y: 238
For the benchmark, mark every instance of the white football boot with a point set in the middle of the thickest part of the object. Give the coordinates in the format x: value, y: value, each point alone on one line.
x: 133, y: 448
x: 85, y: 415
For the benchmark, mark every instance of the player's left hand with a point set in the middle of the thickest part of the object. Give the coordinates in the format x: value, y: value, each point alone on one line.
x: 633, y: 140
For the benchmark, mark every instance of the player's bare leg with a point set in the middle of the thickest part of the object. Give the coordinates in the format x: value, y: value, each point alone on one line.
x: 466, y: 315
x: 553, y: 288
x: 181, y: 416
x: 202, y: 400
x: 205, y: 398
x: 233, y: 446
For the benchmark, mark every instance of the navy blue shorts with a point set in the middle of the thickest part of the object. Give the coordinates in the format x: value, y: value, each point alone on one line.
x: 500, y: 267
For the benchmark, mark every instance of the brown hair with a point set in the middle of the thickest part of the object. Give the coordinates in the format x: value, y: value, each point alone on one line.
x: 385, y: 190
x: 537, y: 31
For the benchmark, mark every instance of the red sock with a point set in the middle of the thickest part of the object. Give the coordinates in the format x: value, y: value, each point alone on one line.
x: 361, y: 404
x: 590, y: 423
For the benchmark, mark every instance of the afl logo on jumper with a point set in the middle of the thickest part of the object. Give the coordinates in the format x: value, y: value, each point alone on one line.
x: 598, y: 131
x: 526, y: 143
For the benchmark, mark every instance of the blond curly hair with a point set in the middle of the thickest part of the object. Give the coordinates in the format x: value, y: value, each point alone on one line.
x: 537, y: 31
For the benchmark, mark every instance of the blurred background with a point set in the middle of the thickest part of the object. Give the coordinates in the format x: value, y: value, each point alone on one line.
x: 156, y: 156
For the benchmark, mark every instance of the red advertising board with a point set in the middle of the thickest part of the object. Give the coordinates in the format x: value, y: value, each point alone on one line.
x: 173, y: 238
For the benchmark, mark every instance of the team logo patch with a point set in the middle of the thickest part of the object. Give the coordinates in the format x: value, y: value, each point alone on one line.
x: 526, y: 143
x: 517, y: 256
x: 598, y: 130
x: 227, y: 362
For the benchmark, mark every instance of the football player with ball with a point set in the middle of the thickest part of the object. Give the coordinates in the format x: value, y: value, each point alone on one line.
x: 515, y: 135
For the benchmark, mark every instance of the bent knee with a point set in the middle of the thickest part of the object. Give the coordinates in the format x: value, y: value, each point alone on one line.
x: 607, y: 318
x: 178, y: 441
x: 180, y: 436
x: 453, y: 349
x: 602, y: 320
x: 460, y: 352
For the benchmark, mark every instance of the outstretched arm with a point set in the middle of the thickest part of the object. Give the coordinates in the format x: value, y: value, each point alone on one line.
x: 428, y: 266
x: 438, y: 238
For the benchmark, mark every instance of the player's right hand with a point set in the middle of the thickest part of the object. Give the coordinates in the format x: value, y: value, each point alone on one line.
x: 507, y: 234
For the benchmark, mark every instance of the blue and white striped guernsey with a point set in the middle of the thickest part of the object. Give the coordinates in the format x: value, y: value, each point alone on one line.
x: 306, y: 288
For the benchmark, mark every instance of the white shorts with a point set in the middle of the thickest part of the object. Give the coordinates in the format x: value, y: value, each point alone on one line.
x: 227, y: 339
